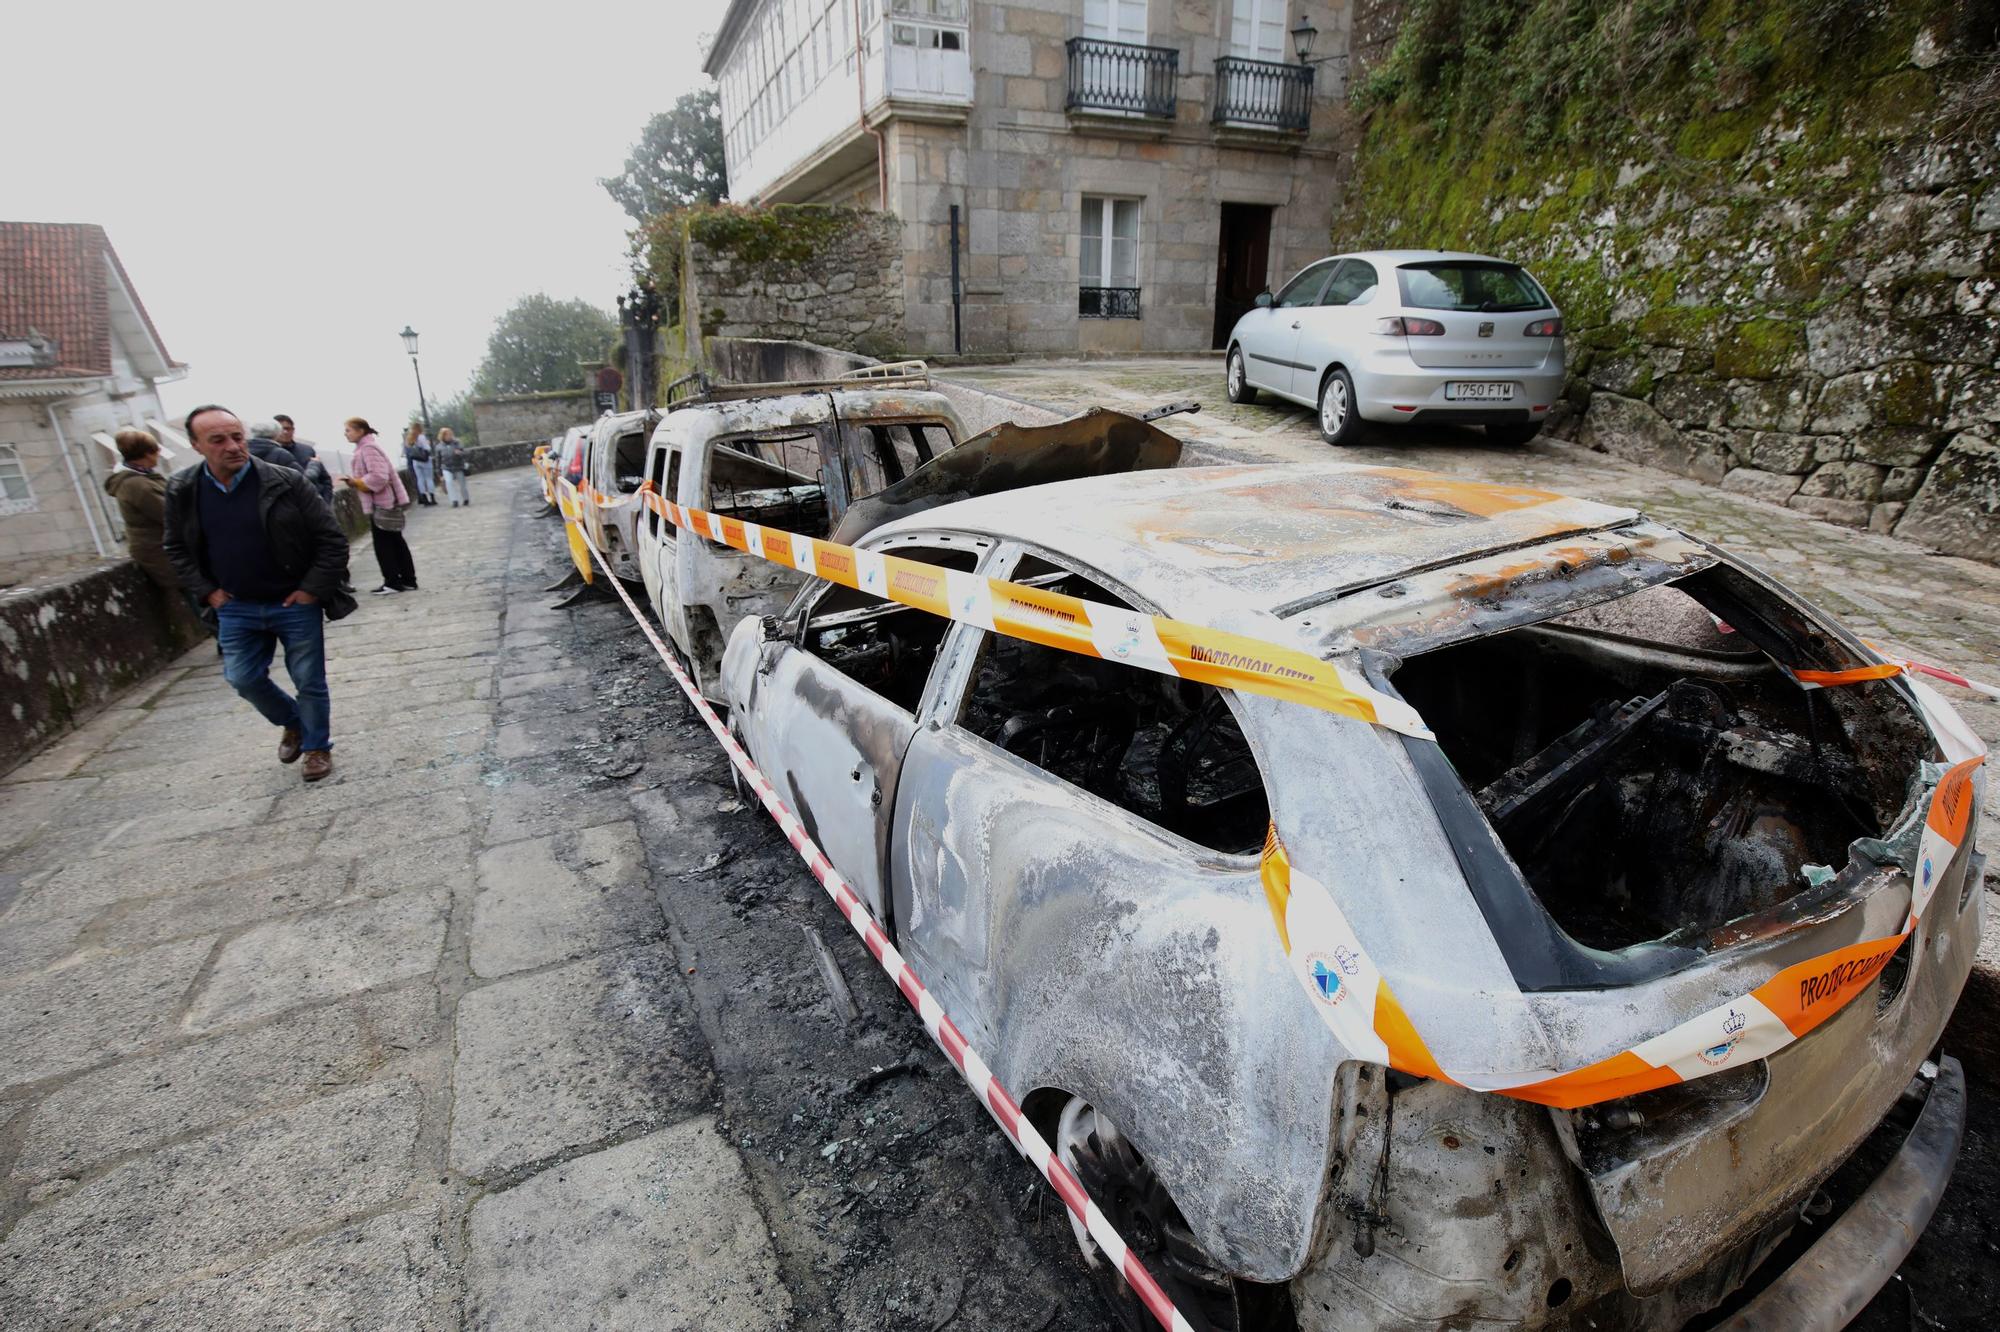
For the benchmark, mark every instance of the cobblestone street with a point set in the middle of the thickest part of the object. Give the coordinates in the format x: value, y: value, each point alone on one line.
x: 482, y: 1031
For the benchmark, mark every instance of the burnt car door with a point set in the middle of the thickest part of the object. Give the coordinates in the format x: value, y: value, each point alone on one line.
x: 1049, y: 797
x: 840, y: 685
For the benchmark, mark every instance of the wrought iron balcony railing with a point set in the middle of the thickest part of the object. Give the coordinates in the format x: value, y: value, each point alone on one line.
x: 1122, y: 77
x: 1107, y: 302
x: 1263, y: 93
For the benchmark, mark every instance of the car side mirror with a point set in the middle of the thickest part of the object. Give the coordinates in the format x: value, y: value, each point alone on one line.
x: 774, y: 629
x: 1263, y: 301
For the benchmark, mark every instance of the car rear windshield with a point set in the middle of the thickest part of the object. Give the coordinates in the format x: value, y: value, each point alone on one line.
x: 1460, y: 284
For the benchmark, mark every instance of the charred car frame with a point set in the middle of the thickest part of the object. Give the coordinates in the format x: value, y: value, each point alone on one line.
x: 1631, y: 811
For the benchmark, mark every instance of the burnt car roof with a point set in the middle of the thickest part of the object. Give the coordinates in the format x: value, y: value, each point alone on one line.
x: 1269, y: 537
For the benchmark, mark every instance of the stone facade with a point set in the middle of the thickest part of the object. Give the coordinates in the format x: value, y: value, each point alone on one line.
x: 529, y: 417
x: 844, y: 289
x: 66, y: 519
x: 1783, y: 279
x: 1018, y: 162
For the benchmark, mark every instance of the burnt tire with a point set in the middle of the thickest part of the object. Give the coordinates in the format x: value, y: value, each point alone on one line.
x: 1235, y: 379
x: 1335, y: 414
x: 1139, y: 1207
x: 1513, y: 436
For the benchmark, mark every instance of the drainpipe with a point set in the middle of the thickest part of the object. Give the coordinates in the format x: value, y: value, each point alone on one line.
x: 69, y: 465
x: 861, y: 106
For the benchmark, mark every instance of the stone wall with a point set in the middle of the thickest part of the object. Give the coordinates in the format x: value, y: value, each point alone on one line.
x: 533, y: 417
x: 1770, y: 227
x: 70, y: 642
x: 812, y: 273
x: 495, y: 457
x: 776, y: 361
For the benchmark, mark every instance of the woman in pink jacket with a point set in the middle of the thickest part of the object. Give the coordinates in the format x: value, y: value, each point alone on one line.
x: 385, y: 501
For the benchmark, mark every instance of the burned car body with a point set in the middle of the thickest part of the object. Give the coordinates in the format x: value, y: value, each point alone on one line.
x: 824, y: 460
x: 614, y: 465
x: 1632, y: 812
x: 791, y: 455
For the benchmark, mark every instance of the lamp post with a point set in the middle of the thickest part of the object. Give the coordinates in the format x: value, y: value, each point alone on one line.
x: 1303, y: 37
x: 410, y: 346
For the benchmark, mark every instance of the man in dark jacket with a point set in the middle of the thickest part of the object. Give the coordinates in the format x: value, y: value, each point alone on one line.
x: 251, y: 541
x: 264, y: 444
x: 308, y: 456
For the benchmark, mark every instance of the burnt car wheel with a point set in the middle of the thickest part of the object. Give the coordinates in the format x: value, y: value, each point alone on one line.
x: 1236, y: 381
x: 1138, y: 1206
x: 1339, y: 423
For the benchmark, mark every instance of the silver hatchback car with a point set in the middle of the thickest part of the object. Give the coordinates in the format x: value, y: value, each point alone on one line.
x: 1406, y: 336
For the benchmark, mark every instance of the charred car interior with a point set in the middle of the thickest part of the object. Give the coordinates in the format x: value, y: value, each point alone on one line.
x: 1655, y: 777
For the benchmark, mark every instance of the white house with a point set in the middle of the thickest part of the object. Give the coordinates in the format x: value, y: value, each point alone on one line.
x: 79, y: 361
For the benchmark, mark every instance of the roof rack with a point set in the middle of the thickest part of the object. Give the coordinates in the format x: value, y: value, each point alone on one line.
x: 698, y: 388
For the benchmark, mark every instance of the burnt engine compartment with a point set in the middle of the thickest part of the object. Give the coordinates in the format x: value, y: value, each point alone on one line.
x: 1654, y: 777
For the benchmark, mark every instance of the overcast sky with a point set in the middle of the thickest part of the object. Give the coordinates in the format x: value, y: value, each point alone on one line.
x: 288, y: 186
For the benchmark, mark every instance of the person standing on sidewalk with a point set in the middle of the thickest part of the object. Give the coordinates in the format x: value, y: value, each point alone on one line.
x: 264, y: 444
x: 251, y: 541
x: 417, y: 448
x: 308, y: 456
x: 451, y: 460
x: 386, y: 503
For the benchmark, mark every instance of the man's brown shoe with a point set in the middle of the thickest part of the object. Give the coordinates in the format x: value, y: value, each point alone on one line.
x: 319, y: 763
x: 288, y: 745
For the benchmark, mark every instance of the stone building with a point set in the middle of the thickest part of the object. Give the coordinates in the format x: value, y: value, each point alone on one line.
x: 79, y: 361
x: 1127, y: 174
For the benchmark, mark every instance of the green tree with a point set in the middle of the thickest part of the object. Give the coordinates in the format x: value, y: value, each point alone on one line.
x: 455, y: 411
x: 678, y: 160
x: 536, y: 345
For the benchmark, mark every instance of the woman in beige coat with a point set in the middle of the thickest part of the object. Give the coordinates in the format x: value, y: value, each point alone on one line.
x: 141, y: 491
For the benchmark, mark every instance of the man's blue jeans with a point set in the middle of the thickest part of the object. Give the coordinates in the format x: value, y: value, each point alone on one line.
x: 250, y: 632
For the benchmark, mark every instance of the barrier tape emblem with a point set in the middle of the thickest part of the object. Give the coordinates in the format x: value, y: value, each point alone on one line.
x: 1348, y: 991
x: 1006, y: 1113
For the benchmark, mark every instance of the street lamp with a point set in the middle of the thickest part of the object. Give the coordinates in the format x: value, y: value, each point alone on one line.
x: 1302, y: 43
x: 410, y: 346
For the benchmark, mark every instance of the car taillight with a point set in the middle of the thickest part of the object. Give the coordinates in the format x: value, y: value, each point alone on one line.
x: 1546, y: 328
x: 1406, y: 326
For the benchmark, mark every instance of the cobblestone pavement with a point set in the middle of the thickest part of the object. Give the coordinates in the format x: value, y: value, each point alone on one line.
x: 510, y: 1024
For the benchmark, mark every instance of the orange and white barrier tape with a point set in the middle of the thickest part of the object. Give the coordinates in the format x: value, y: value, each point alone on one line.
x: 1089, y: 628
x: 1006, y: 1112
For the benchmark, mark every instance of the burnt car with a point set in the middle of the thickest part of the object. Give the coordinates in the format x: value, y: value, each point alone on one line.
x: 1657, y: 781
x: 792, y: 455
x: 614, y: 466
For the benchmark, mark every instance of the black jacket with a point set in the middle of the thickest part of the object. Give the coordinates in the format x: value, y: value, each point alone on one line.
x: 306, y: 543
x: 271, y: 451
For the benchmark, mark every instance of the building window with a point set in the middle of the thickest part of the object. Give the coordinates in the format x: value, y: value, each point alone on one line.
x: 1108, y: 280
x: 1257, y: 30
x: 16, y: 495
x: 1115, y: 20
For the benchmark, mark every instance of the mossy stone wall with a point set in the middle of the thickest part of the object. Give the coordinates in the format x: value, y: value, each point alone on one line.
x: 1769, y: 223
x: 806, y: 272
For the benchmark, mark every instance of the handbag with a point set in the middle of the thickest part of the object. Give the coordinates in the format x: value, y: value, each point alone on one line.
x: 391, y: 520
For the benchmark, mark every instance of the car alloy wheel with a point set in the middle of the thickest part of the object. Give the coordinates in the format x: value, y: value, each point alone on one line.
x: 1337, y: 423
x: 1138, y: 1206
x: 1235, y: 379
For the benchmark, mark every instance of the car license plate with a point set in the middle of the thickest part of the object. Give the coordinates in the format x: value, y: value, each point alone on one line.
x: 1479, y: 392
